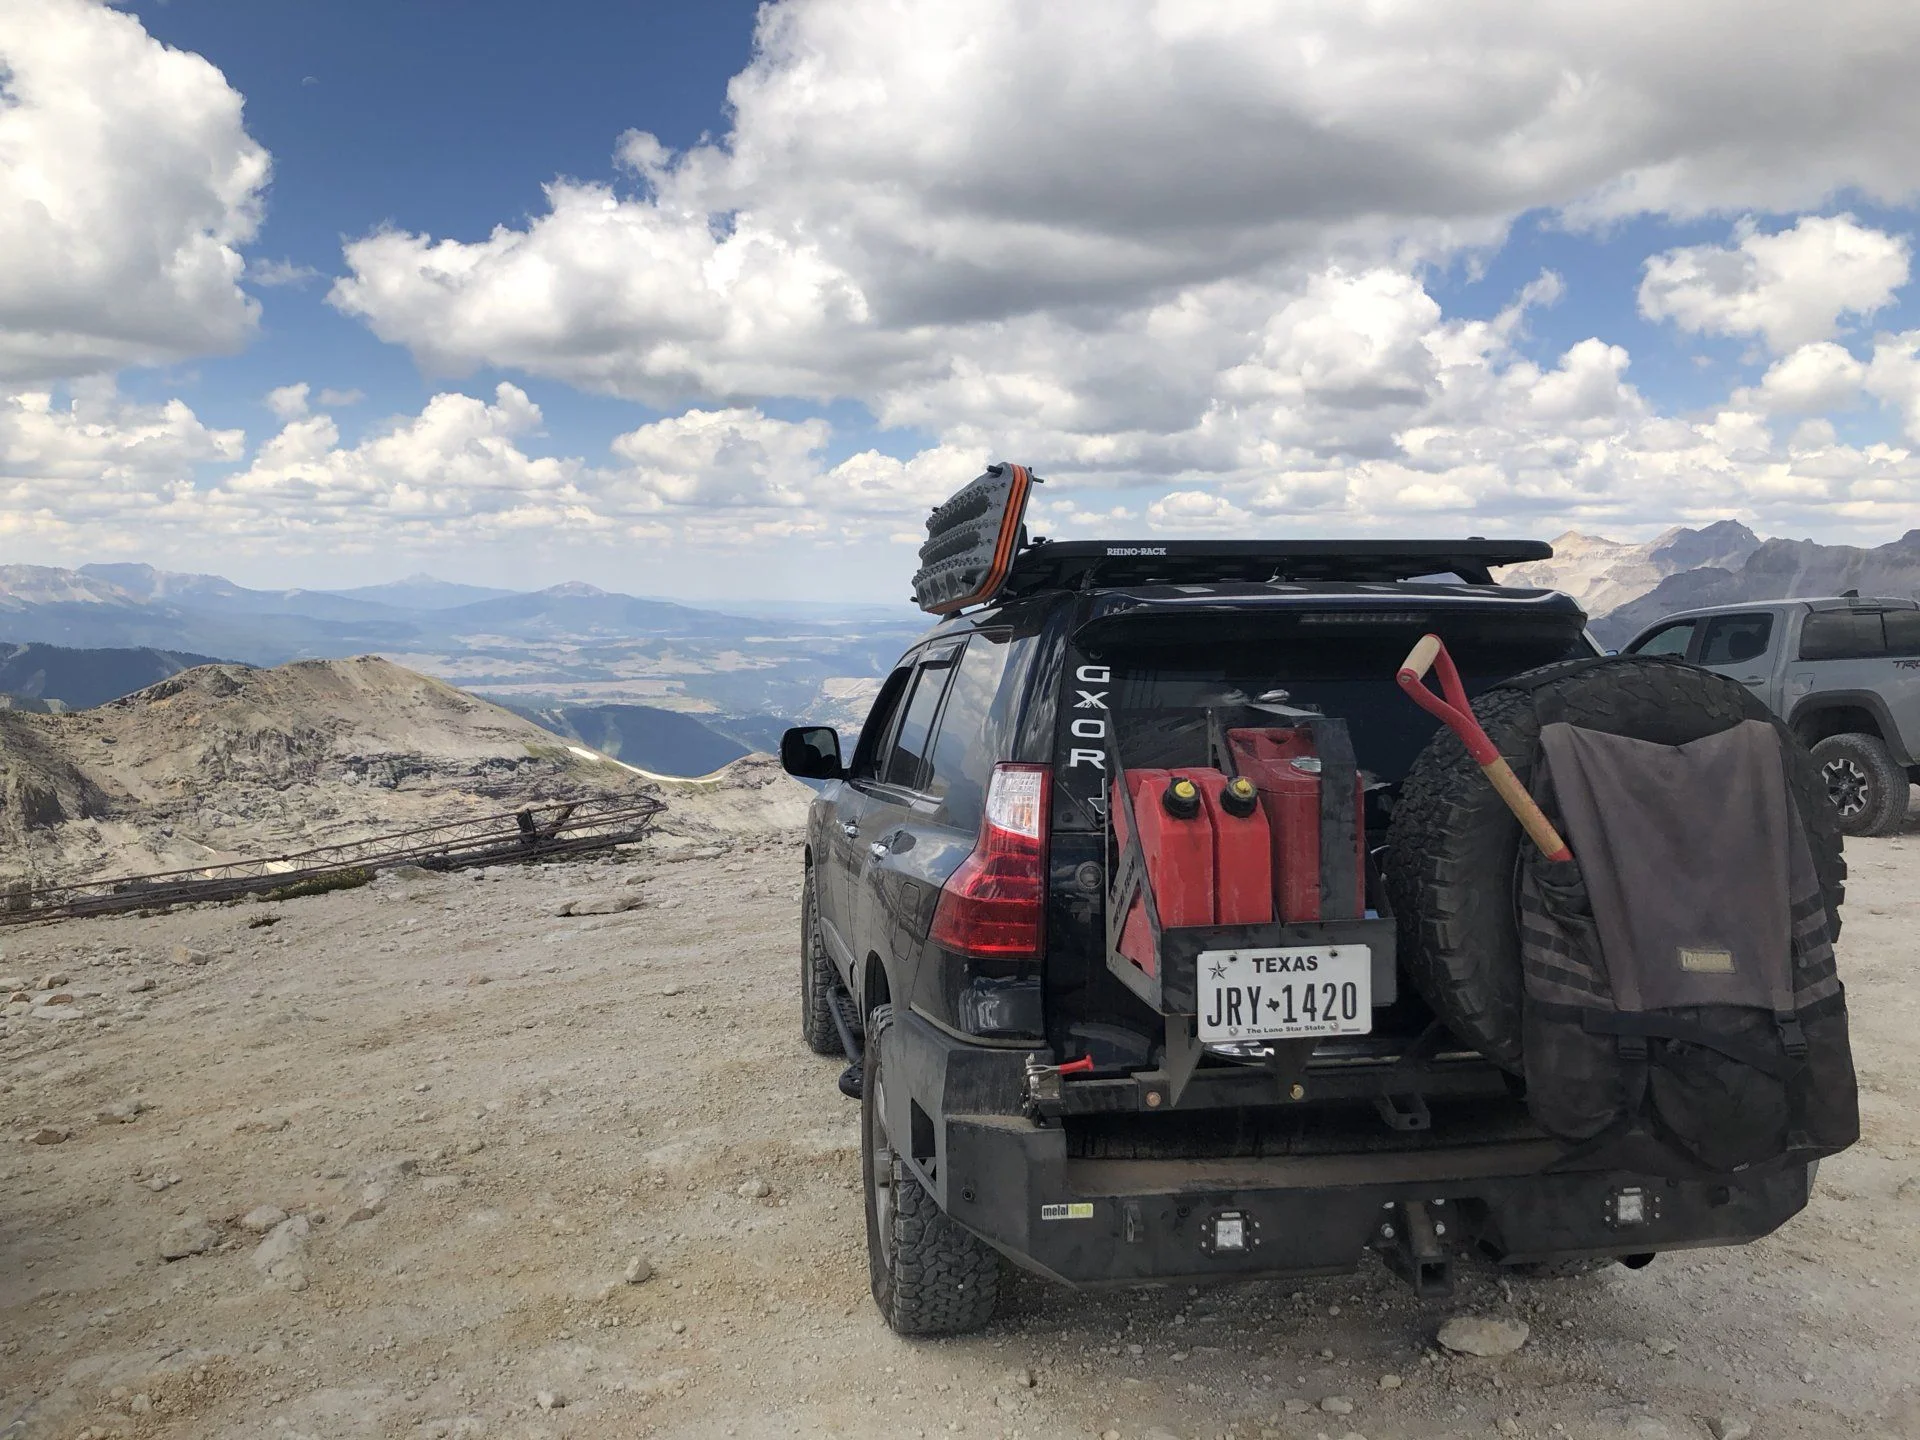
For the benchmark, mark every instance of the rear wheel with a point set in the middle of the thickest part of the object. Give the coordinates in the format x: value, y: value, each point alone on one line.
x: 1869, y: 791
x: 817, y: 978
x: 929, y: 1276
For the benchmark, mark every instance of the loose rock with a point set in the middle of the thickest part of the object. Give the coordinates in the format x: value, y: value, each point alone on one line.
x: 549, y: 1400
x: 123, y: 1112
x: 638, y: 1271
x: 1337, y: 1405
x: 191, y: 1236
x: 188, y: 955
x: 262, y: 1218
x: 755, y: 1189
x: 1729, y: 1427
x: 281, y: 1257
x: 1390, y: 1382
x: 599, y: 905
x: 1297, y: 1406
x: 1480, y: 1335
x: 48, y: 1135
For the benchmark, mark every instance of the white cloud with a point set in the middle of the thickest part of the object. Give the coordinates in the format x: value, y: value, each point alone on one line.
x: 99, y: 468
x: 457, y: 466
x: 912, y: 198
x: 274, y: 273
x: 289, y: 402
x: 1172, y: 254
x: 333, y: 399
x: 707, y: 470
x: 1893, y: 377
x: 1792, y: 288
x: 128, y: 183
x: 1813, y: 378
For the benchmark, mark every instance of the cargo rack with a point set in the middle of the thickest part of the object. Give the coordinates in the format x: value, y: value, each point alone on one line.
x: 977, y: 550
x: 1081, y: 564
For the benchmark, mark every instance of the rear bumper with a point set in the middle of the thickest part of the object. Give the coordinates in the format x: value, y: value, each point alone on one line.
x: 1096, y: 1222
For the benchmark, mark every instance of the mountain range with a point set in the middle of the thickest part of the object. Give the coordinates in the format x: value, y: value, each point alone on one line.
x: 1626, y: 587
x: 735, y: 674
x: 681, y: 689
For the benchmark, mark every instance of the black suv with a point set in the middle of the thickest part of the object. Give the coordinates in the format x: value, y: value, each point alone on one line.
x: 1024, y: 1094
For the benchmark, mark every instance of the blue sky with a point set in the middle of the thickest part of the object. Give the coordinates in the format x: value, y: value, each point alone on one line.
x: 438, y: 115
x: 325, y: 295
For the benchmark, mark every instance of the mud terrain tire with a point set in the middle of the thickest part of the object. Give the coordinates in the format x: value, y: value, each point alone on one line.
x: 1453, y: 846
x: 817, y: 978
x: 1869, y: 792
x: 929, y: 1276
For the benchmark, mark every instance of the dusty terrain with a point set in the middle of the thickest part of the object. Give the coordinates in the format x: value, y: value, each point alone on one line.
x: 479, y: 1113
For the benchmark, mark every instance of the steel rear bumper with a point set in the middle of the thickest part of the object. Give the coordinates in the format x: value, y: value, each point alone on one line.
x: 1094, y: 1222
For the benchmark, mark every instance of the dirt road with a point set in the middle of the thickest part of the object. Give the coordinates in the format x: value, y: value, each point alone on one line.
x: 479, y: 1112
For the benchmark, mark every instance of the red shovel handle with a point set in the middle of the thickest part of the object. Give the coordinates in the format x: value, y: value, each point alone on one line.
x: 1456, y: 713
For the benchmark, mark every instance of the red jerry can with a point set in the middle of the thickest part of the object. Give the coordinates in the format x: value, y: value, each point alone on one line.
x: 1284, y: 763
x: 1242, y: 849
x: 1176, y: 840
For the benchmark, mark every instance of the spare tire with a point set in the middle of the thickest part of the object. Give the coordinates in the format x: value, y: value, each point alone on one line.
x: 1453, y: 847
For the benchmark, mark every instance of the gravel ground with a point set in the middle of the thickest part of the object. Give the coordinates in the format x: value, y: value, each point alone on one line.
x: 409, y: 1140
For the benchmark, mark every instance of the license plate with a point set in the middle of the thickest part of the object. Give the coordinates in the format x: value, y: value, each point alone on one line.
x: 1284, y: 994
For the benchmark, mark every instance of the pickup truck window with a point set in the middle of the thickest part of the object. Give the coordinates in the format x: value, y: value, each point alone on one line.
x: 1843, y: 635
x: 1903, y: 632
x: 1667, y: 640
x: 1731, y: 639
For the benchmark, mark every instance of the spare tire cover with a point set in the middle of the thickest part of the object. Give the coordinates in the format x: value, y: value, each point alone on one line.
x: 1453, y: 846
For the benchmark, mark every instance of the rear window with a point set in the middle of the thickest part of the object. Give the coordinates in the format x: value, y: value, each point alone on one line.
x: 1164, y: 686
x: 1843, y: 635
x: 970, y: 726
x: 1903, y: 632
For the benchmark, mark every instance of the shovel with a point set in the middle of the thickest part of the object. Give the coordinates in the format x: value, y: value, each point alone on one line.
x: 1430, y: 652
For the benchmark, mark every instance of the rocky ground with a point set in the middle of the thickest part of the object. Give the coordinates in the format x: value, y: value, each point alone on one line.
x: 430, y: 1159
x: 221, y: 763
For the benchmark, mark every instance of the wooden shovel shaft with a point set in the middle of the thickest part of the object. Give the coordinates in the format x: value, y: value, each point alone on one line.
x: 1532, y: 819
x: 1456, y: 714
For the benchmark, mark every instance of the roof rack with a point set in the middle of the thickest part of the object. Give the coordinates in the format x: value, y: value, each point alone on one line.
x: 977, y: 548
x: 1079, y: 564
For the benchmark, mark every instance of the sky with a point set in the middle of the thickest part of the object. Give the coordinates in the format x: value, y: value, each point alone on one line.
x: 717, y: 300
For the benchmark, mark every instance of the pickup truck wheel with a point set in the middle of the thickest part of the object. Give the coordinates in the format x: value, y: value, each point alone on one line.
x: 817, y: 978
x: 929, y: 1276
x: 1453, y: 847
x: 1869, y: 791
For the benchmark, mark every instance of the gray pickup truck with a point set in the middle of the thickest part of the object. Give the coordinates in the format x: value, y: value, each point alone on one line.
x: 1843, y: 672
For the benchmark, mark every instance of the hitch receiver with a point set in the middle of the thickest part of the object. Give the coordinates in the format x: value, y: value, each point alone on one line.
x: 1410, y: 1241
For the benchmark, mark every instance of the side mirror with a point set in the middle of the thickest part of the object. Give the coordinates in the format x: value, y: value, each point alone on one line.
x: 812, y: 752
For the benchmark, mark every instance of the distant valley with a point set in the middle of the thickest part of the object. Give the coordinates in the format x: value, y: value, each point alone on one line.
x: 571, y: 648
x: 682, y: 690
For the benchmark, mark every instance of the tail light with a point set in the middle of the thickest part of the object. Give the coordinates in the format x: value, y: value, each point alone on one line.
x: 994, y: 906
